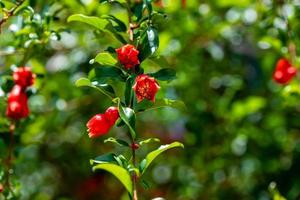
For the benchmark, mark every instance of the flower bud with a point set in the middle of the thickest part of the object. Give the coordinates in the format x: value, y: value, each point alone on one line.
x: 128, y: 56
x: 112, y: 115
x: 98, y: 126
x: 284, y: 71
x: 135, y: 146
x: 23, y: 77
x: 17, y: 107
x: 145, y: 87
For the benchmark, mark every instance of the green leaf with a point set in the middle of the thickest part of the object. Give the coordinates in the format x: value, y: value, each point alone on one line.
x: 160, y: 103
x: 149, y: 43
x: 106, y: 58
x: 150, y: 140
x: 148, y: 5
x: 153, y: 154
x: 138, y: 10
x: 103, y: 73
x: 90, y: 20
x: 165, y: 74
x: 120, y: 173
x: 117, y: 141
x: 128, y: 90
x: 121, y: 26
x: 106, y: 158
x: 103, y: 88
x: 128, y: 116
x: 112, y: 30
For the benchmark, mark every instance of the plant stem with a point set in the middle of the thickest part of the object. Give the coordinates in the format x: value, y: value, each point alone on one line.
x: 9, y: 13
x: 9, y: 157
x: 134, y: 175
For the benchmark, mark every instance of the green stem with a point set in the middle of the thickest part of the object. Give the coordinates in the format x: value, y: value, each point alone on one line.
x: 10, y: 13
x: 9, y: 158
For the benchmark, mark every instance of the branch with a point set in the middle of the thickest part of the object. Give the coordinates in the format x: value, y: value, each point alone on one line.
x: 9, y: 13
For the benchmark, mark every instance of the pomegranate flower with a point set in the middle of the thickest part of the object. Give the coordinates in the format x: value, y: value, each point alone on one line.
x: 128, y: 56
x: 23, y: 77
x: 112, y: 115
x: 17, y: 107
x: 284, y: 71
x: 145, y: 87
x: 100, y: 124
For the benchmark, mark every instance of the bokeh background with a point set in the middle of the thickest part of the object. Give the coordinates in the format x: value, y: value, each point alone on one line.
x: 240, y: 129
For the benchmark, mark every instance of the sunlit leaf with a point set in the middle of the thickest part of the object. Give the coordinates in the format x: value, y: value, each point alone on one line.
x: 120, y: 173
x: 90, y: 20
x: 153, y: 154
x: 106, y: 58
x: 103, y: 88
x: 150, y: 140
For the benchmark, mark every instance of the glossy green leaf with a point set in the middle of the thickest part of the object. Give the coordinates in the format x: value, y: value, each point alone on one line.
x: 120, y: 173
x: 104, y: 73
x: 103, y: 88
x: 114, y: 31
x: 165, y: 74
x: 148, y: 5
x: 117, y: 141
x: 106, y: 58
x: 120, y: 25
x: 149, y: 43
x: 128, y: 90
x: 153, y: 154
x: 90, y: 20
x: 128, y: 116
x: 106, y: 158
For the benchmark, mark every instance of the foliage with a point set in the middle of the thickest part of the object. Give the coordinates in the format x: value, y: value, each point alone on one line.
x: 240, y: 129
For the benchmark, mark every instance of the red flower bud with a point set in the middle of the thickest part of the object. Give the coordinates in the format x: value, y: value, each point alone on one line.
x: 112, y: 114
x: 128, y: 56
x: 284, y: 71
x: 1, y: 188
x: 145, y: 87
x: 135, y: 146
x: 98, y: 125
x: 17, y: 107
x: 23, y: 77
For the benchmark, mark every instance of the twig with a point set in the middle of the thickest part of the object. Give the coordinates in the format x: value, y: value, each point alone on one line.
x: 10, y: 13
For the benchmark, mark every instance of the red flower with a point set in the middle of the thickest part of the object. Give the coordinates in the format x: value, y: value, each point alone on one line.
x: 145, y: 87
x: 98, y: 125
x: 17, y: 103
x: 128, y: 56
x: 1, y: 188
x: 112, y: 114
x: 284, y: 71
x: 23, y: 76
x: 101, y: 123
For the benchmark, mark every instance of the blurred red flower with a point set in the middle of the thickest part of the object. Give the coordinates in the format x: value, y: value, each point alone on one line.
x: 284, y: 71
x: 17, y: 103
x: 23, y: 77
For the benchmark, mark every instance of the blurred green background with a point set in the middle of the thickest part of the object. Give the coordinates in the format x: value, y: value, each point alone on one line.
x: 241, y: 130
